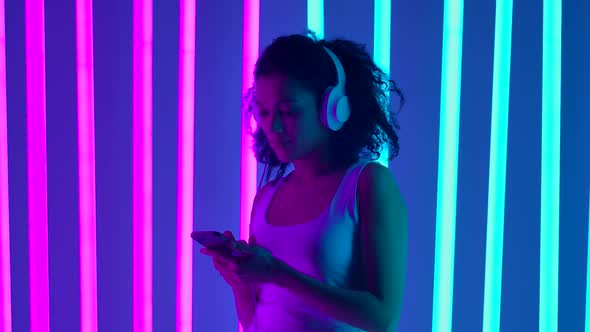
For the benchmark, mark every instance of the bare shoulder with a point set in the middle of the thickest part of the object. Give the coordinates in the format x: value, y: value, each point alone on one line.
x: 375, y: 173
x: 377, y: 185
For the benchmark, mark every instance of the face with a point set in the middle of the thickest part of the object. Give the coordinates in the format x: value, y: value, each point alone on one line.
x: 287, y: 114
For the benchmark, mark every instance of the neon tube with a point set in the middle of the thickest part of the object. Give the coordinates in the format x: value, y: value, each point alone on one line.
x: 248, y: 169
x: 37, y: 164
x: 315, y: 17
x: 186, y: 120
x: 142, y: 165
x: 497, y: 170
x: 444, y: 256
x: 5, y: 296
x: 588, y: 272
x: 382, y: 49
x: 550, y: 168
x: 86, y: 165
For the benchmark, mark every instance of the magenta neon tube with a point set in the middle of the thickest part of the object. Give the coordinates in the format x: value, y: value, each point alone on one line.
x: 37, y: 165
x: 86, y: 166
x: 142, y: 165
x: 186, y: 119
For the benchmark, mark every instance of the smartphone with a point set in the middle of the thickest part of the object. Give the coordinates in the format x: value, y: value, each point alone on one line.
x: 217, y: 241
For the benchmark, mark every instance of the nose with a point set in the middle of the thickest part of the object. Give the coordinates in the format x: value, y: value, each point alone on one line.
x: 277, y: 124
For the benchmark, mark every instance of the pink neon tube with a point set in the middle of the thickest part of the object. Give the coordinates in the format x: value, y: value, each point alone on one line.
x: 5, y: 304
x: 37, y: 164
x: 86, y: 166
x: 142, y: 165
x: 186, y: 120
x: 249, y: 165
x: 248, y: 170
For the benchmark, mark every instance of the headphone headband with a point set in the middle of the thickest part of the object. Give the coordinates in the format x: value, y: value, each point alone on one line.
x: 336, y: 108
x: 339, y: 68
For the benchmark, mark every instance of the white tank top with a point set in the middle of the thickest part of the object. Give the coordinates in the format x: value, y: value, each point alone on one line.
x: 326, y: 248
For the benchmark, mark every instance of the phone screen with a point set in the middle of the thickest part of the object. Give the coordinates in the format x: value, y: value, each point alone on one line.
x: 216, y: 240
x: 211, y: 239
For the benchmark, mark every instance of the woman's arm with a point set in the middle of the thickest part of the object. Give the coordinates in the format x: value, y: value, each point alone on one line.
x: 383, y: 220
x: 357, y: 308
x: 245, y: 297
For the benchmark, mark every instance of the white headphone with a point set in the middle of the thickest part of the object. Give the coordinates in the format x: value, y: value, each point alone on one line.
x: 335, y: 107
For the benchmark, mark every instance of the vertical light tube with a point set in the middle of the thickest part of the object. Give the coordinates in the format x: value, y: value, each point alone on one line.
x: 315, y: 17
x: 186, y: 125
x: 588, y: 272
x: 5, y: 297
x: 86, y: 166
x: 248, y: 169
x: 550, y: 168
x: 497, y: 168
x: 382, y: 49
x: 142, y: 165
x: 37, y: 164
x: 444, y: 256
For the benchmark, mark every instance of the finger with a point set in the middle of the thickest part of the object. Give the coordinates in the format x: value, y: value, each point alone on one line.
x: 229, y: 235
x: 219, y: 265
x: 222, y: 267
x: 232, y: 266
x: 221, y: 261
x: 210, y: 252
x: 213, y: 252
x: 205, y: 251
x: 240, y: 245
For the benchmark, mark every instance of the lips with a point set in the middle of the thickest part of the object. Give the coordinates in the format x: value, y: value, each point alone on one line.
x: 281, y: 141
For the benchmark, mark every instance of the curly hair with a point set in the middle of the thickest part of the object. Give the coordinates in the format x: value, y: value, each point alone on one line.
x: 303, y: 58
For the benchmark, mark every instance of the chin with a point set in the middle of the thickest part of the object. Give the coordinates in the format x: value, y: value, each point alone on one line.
x: 285, y: 157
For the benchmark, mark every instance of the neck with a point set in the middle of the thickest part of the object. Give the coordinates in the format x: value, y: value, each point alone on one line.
x: 316, y: 166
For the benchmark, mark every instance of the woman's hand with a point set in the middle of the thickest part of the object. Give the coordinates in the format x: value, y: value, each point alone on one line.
x: 257, y: 266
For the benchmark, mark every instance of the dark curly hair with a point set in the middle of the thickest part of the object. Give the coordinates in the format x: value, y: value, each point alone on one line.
x: 303, y: 58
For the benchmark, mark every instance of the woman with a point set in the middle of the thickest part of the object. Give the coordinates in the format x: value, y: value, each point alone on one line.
x: 328, y: 241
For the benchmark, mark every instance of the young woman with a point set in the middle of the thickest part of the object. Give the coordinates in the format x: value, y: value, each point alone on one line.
x: 328, y: 241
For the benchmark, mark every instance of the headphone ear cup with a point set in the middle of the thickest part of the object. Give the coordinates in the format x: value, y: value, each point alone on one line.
x: 338, y: 114
x: 343, y: 110
x: 325, y: 109
x: 335, y: 111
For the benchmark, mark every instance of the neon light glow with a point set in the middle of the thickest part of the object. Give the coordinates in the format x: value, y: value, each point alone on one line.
x: 444, y: 256
x: 142, y: 165
x: 588, y: 272
x: 37, y: 164
x: 550, y: 168
x: 186, y: 125
x: 315, y: 17
x: 248, y: 169
x: 5, y: 296
x: 382, y: 48
x: 497, y: 171
x: 86, y: 165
